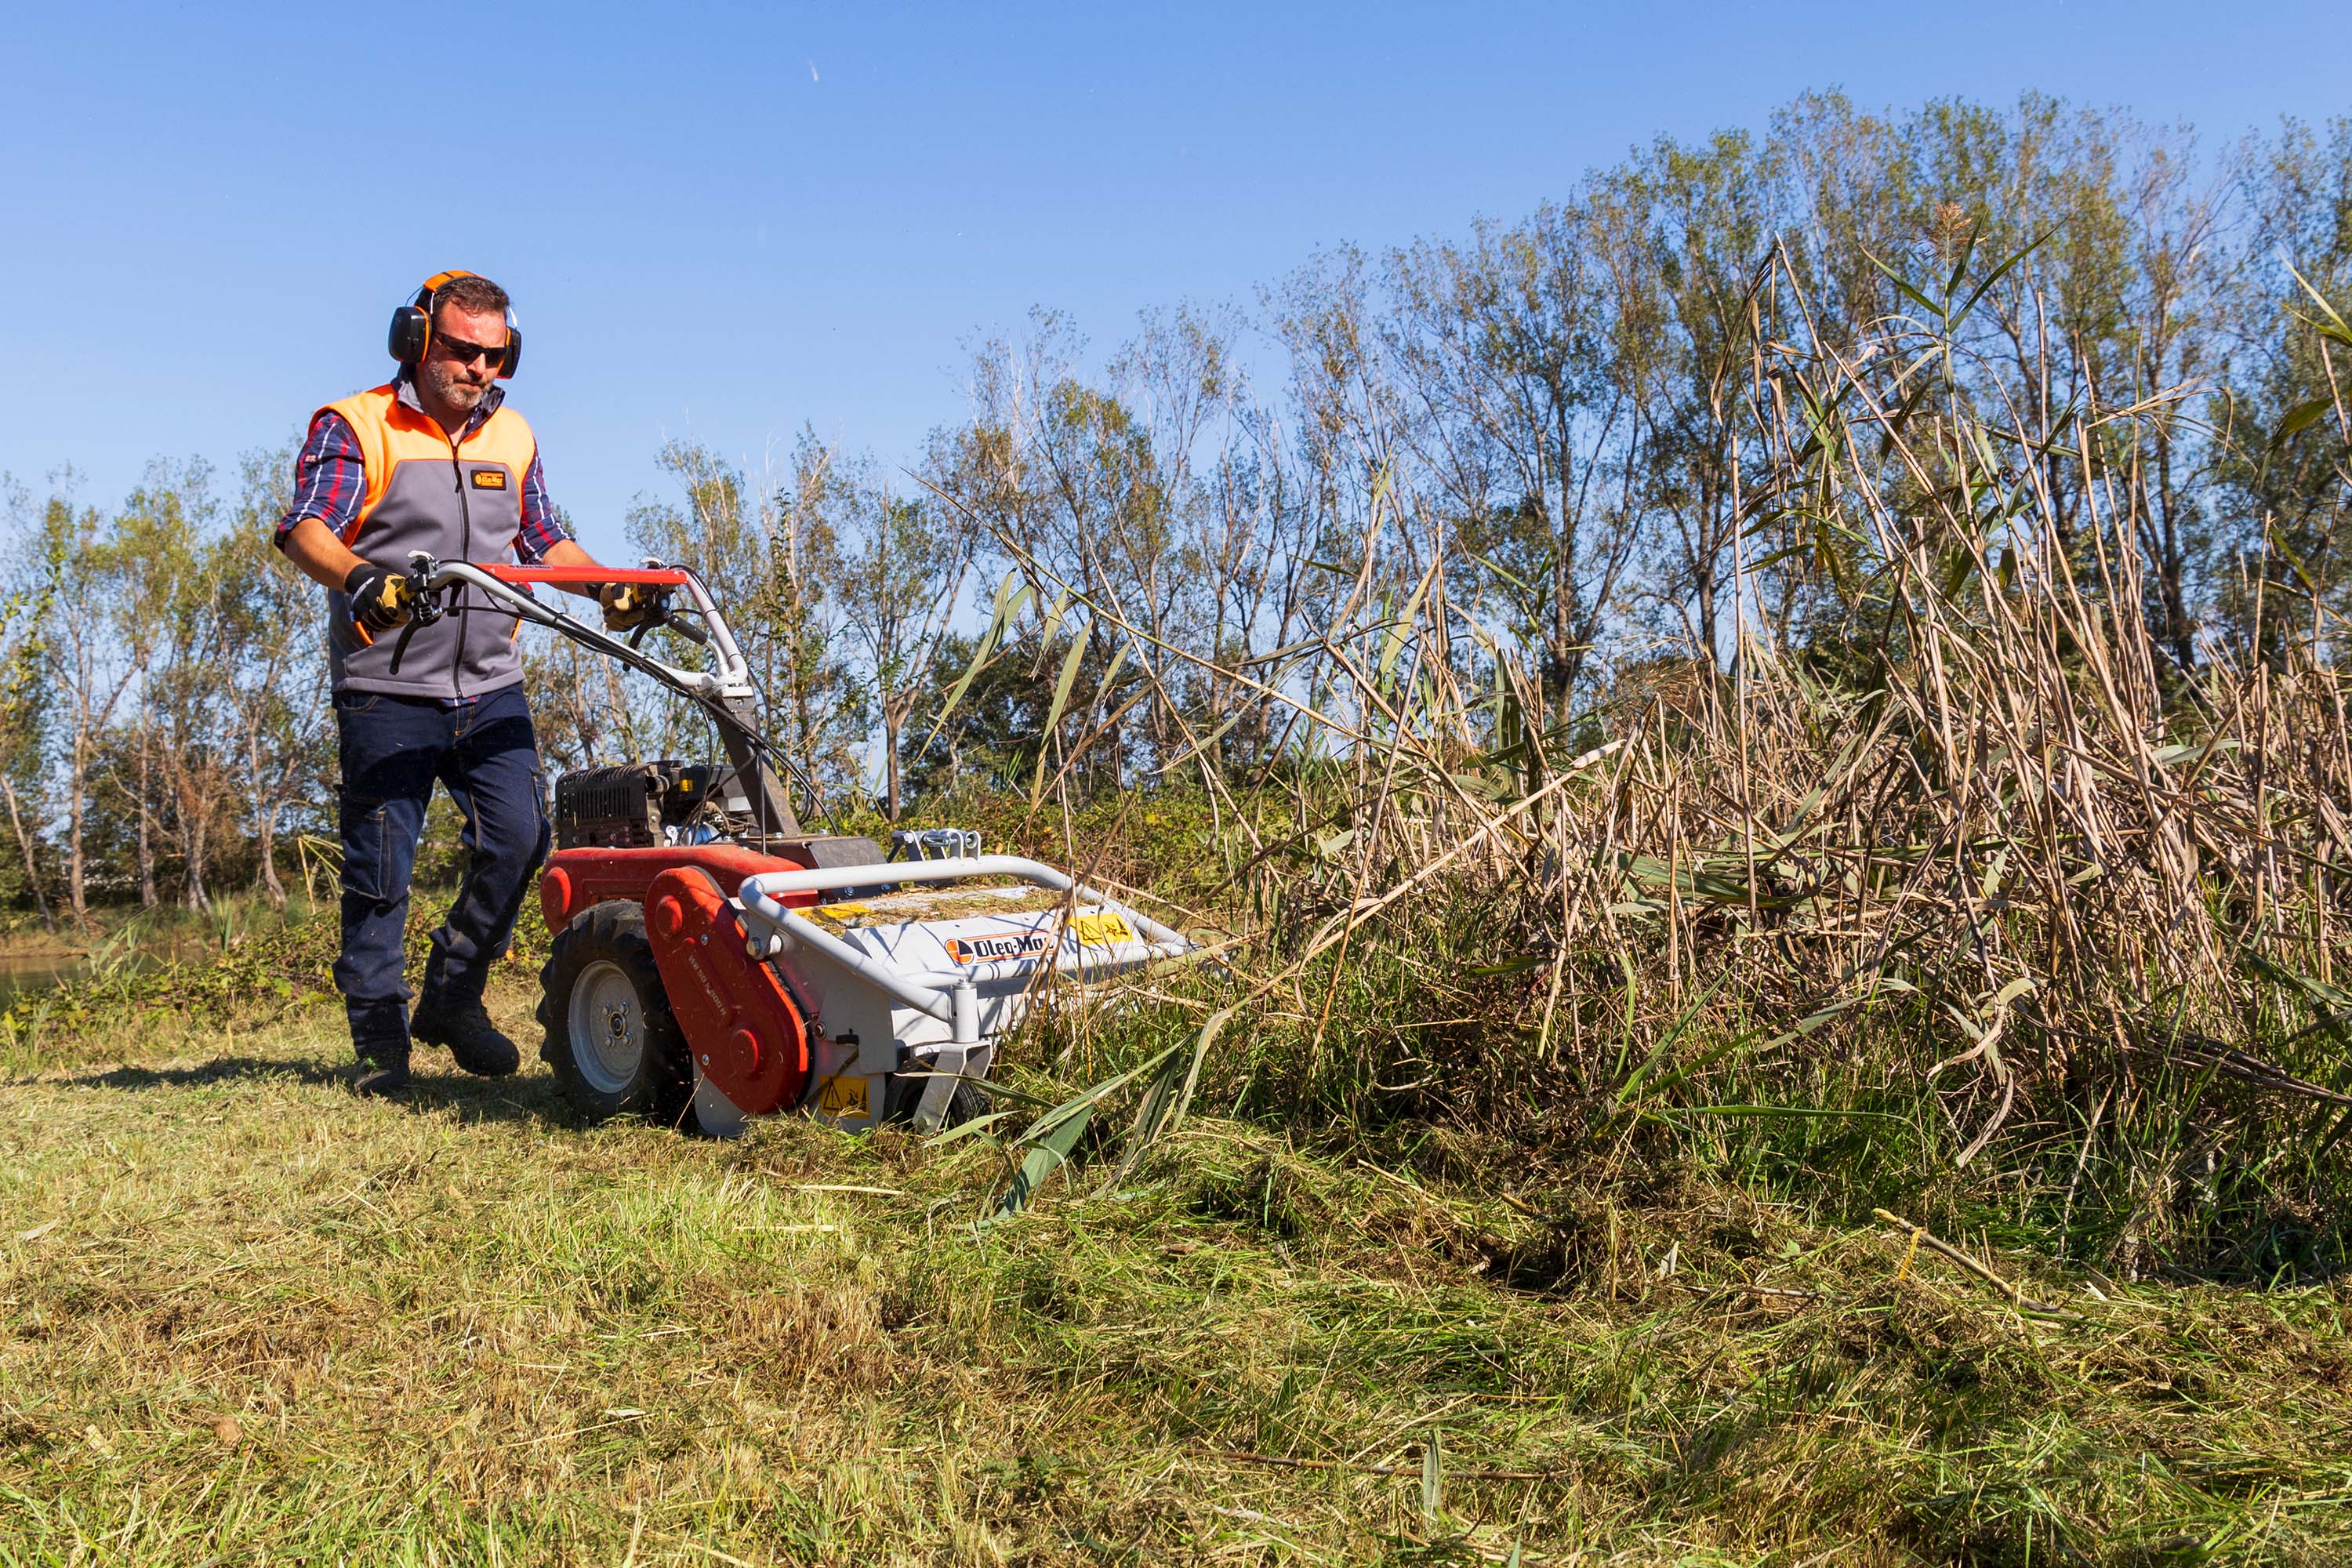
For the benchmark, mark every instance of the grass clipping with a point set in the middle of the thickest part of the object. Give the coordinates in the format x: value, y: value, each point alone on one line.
x: 251, y: 1320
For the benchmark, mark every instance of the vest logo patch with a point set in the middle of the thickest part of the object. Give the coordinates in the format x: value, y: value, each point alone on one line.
x: 490, y: 479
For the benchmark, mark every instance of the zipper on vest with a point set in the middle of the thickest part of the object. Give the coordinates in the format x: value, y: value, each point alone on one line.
x: 466, y: 525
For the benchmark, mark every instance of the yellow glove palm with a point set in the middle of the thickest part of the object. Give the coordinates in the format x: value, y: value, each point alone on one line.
x: 627, y: 605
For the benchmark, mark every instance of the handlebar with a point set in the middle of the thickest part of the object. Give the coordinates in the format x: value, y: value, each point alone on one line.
x: 723, y: 692
x: 586, y: 576
x: 430, y: 583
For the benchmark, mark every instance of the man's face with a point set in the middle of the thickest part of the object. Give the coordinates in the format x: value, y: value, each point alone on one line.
x: 452, y: 372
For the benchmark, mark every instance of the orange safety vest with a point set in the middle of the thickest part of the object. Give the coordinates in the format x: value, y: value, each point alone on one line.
x: 455, y: 501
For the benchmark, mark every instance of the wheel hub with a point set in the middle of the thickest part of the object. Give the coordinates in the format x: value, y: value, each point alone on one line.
x: 607, y: 1028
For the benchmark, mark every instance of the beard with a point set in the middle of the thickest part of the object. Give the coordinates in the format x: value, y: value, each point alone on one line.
x: 452, y: 389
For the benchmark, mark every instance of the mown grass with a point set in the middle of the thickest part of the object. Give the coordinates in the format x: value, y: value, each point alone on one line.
x: 252, y: 1320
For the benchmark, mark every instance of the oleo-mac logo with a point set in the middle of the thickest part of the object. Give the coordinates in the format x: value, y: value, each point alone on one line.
x: 986, y: 949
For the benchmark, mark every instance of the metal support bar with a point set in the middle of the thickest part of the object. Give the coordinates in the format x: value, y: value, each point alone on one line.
x: 776, y: 924
x: 1086, y: 965
x: 829, y: 878
x: 946, y: 1068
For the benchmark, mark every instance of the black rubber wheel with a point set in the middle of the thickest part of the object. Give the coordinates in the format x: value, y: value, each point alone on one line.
x: 969, y: 1100
x: 612, y: 1040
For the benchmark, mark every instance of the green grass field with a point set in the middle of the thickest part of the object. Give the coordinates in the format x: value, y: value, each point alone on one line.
x: 250, y: 1319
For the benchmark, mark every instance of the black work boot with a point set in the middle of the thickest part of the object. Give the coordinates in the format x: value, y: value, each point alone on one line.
x: 471, y: 1038
x: 383, y: 1069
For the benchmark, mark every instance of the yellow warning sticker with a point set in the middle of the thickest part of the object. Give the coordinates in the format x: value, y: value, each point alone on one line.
x: 843, y: 1097
x: 1102, y: 929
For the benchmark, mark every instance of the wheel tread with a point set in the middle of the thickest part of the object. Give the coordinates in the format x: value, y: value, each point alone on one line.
x: 614, y: 931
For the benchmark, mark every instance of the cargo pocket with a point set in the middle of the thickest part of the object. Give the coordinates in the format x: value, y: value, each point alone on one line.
x: 366, y: 826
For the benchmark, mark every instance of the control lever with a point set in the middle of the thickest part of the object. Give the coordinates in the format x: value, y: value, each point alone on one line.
x: 662, y: 615
x: 425, y: 609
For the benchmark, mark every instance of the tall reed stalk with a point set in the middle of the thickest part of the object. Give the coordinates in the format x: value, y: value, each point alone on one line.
x: 1946, y: 831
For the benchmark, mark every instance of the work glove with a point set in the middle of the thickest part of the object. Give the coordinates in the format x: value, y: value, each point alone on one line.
x: 626, y: 604
x: 380, y: 597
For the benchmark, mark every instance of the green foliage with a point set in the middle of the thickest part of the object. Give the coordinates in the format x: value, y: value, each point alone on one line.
x: 1012, y: 713
x: 242, y: 965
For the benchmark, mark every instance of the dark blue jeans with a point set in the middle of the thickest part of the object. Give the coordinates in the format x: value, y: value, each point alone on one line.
x: 393, y: 748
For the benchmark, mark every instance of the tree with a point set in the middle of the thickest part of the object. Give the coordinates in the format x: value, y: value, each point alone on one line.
x: 902, y: 575
x: 74, y: 566
x: 277, y: 717
x: 24, y: 723
x: 175, y: 581
x: 769, y: 553
x: 2285, y: 475
x: 1519, y: 424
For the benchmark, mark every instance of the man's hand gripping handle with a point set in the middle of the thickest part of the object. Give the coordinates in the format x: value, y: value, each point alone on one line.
x: 380, y: 599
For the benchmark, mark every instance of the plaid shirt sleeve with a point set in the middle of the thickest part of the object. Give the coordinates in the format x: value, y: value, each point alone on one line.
x: 330, y: 476
x: 541, y: 529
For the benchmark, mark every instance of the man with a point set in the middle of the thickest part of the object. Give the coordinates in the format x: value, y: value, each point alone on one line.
x: 434, y: 461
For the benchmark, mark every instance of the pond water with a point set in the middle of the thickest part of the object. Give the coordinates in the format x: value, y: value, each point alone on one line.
x: 23, y: 972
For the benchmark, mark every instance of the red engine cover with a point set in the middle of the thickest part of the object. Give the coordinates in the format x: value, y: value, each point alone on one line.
x: 577, y: 880
x: 738, y: 1021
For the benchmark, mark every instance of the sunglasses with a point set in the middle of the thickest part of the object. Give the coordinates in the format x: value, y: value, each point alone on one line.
x: 464, y: 353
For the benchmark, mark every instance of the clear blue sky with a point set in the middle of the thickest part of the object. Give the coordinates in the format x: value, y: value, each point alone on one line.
x: 722, y: 222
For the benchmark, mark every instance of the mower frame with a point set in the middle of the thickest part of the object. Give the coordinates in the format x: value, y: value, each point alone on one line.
x: 745, y: 1004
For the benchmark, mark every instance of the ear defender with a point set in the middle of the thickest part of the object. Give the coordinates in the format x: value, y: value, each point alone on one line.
x: 412, y: 327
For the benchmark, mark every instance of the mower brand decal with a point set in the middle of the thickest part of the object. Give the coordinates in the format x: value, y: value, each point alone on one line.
x: 843, y: 1096
x: 1102, y: 929
x: 1011, y: 944
x: 490, y: 479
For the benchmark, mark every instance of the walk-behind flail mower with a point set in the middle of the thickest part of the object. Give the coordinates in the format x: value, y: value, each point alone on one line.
x: 710, y: 953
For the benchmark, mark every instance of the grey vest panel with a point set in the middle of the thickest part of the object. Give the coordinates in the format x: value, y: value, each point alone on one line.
x: 454, y: 510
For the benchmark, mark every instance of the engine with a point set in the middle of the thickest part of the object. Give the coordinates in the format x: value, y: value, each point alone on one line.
x: 639, y: 804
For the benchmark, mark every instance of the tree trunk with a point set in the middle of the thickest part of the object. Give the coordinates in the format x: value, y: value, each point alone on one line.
x: 891, y: 760
x: 196, y: 897
x: 23, y: 843
x: 269, y: 882
x: 264, y: 818
x: 76, y: 785
x: 146, y: 840
x: 265, y: 821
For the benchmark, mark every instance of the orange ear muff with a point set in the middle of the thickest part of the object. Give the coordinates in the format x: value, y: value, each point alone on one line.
x: 411, y: 330
x: 412, y: 324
